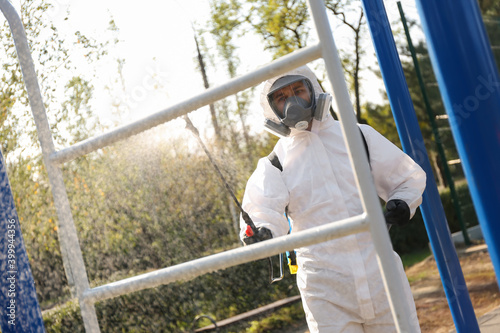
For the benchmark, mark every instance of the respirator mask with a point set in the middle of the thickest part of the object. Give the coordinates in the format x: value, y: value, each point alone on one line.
x: 293, y: 101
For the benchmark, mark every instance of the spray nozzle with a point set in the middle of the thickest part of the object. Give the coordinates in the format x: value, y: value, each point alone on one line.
x: 249, y: 231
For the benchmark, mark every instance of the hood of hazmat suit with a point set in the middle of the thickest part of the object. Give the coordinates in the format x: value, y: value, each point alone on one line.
x: 272, y: 119
x: 339, y: 280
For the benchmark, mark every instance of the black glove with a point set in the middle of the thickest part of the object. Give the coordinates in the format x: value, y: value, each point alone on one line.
x: 397, y: 212
x: 262, y: 234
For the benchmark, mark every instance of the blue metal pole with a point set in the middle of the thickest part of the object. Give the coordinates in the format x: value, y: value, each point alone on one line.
x: 18, y: 303
x: 469, y: 82
x: 413, y: 144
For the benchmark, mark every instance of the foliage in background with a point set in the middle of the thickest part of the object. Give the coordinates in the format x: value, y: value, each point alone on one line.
x: 173, y: 308
x: 151, y: 202
x: 66, y: 97
x: 284, y: 26
x: 55, y: 69
x: 351, y: 14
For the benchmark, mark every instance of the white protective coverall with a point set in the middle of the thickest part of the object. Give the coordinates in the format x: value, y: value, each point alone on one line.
x: 339, y: 280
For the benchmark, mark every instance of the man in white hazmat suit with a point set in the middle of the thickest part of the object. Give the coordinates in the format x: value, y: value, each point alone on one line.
x: 339, y: 280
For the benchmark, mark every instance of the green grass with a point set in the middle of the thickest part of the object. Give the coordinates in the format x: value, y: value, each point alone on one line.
x: 419, y: 276
x: 410, y: 259
x: 282, y: 318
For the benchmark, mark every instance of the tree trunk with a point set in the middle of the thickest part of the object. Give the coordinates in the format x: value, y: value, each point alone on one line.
x: 357, y: 32
x: 203, y: 71
x: 215, y: 124
x: 437, y: 169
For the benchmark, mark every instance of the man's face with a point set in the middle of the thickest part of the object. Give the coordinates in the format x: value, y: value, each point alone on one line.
x: 298, y: 89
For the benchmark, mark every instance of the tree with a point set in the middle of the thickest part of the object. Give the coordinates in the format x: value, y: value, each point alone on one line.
x: 489, y: 7
x: 203, y: 70
x: 53, y: 64
x: 352, y: 16
x: 223, y: 109
x: 284, y: 26
x: 491, y: 18
x: 281, y: 23
x: 225, y: 20
x: 379, y: 116
x: 138, y: 205
x: 66, y: 92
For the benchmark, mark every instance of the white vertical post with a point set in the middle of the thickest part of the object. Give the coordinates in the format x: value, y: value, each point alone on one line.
x: 359, y: 161
x: 70, y: 247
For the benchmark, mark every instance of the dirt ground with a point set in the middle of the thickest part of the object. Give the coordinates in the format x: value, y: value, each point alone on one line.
x: 432, y: 306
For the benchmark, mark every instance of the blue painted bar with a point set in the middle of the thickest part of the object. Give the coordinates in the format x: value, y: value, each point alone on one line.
x: 469, y: 82
x: 413, y: 144
x: 19, y: 308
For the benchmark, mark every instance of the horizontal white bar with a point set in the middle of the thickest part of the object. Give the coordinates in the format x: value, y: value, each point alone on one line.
x: 233, y: 86
x: 442, y: 116
x: 191, y: 269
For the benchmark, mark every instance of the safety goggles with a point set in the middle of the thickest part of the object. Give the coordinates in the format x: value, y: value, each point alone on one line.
x: 290, y: 89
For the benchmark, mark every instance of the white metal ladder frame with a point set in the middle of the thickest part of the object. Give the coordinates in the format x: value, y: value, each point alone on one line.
x: 372, y: 219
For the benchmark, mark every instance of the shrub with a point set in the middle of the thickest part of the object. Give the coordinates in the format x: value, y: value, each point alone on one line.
x: 173, y: 307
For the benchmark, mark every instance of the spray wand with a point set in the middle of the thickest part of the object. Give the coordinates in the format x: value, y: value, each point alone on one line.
x: 251, y: 228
